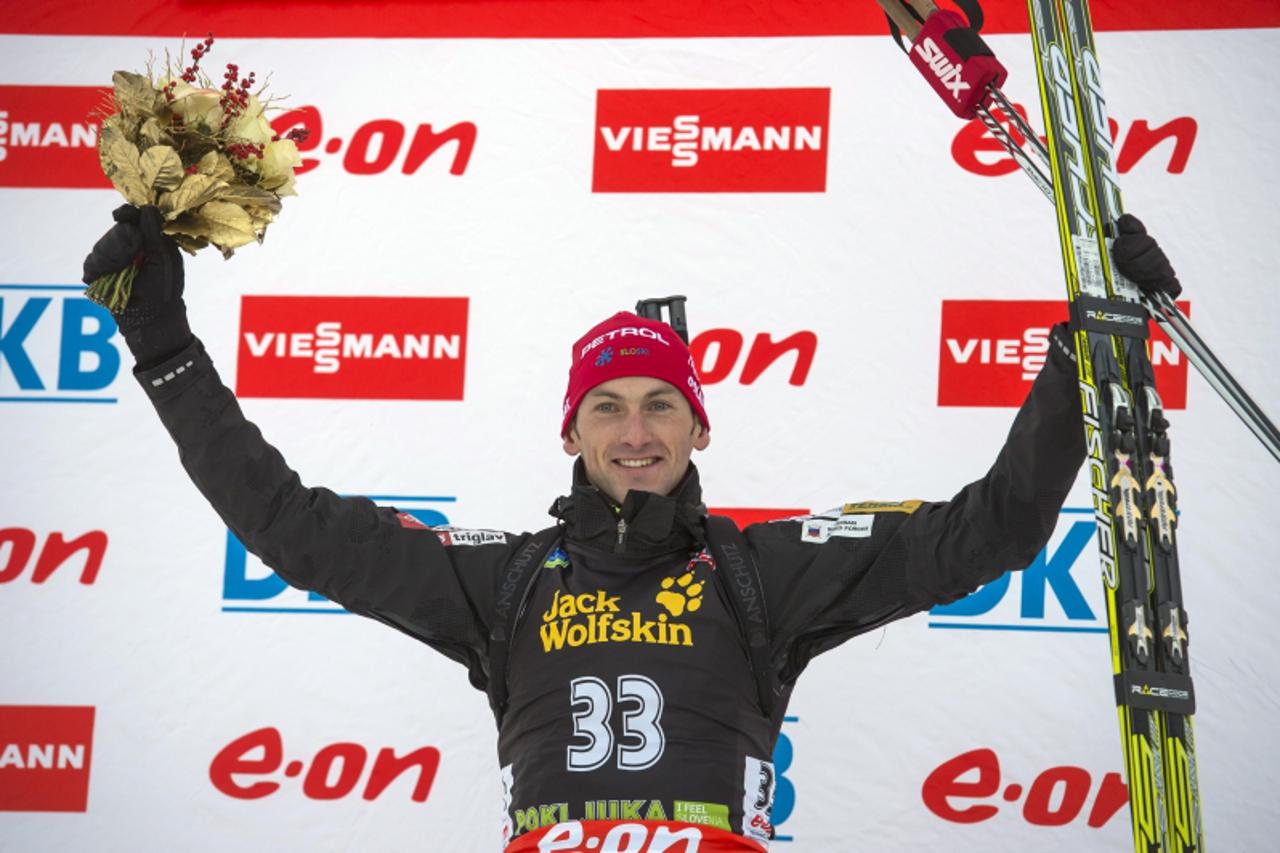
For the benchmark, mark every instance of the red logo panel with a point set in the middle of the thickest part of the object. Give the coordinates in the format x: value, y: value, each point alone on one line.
x: 352, y: 347
x: 992, y: 349
x: 964, y: 790
x: 45, y: 752
x: 48, y: 138
x: 743, y: 516
x: 711, y: 140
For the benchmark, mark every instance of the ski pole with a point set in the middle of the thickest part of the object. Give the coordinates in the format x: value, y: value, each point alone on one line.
x: 946, y: 62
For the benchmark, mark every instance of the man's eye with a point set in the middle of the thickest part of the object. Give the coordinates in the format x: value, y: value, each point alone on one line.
x: 605, y: 408
x: 661, y: 405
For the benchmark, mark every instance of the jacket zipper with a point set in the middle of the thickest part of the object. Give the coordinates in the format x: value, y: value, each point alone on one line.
x: 620, y: 545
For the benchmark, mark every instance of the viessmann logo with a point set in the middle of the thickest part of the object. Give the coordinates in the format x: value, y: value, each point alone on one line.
x: 45, y: 753
x: 48, y: 139
x: 991, y: 350
x: 352, y: 347
x: 711, y: 140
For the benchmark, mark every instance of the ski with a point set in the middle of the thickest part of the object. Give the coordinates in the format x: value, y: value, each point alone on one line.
x: 1148, y: 454
x: 1125, y: 430
x: 1107, y: 326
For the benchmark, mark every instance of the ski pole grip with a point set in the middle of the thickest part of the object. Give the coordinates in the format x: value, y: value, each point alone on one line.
x: 956, y: 62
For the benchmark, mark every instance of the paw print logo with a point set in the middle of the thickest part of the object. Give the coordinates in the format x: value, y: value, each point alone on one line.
x: 605, y: 356
x: 681, y: 594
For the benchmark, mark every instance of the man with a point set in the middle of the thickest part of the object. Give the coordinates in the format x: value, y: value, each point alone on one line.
x: 637, y: 689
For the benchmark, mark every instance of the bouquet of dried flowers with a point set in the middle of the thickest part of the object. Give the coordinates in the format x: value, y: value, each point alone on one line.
x: 206, y: 157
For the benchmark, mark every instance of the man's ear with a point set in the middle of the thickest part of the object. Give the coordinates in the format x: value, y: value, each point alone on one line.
x: 571, y: 444
x: 701, y: 438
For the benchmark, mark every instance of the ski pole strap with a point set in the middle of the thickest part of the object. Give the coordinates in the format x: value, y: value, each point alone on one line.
x: 913, y: 13
x: 512, y: 589
x: 736, y: 570
x: 948, y: 51
x: 1109, y: 316
x: 901, y: 16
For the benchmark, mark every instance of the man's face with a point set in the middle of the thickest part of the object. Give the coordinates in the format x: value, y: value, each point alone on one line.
x: 635, y: 433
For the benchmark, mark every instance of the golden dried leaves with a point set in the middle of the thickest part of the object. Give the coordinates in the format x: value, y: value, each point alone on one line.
x: 153, y: 134
x: 216, y: 165
x: 134, y: 93
x: 161, y: 168
x: 121, y: 164
x: 176, y: 154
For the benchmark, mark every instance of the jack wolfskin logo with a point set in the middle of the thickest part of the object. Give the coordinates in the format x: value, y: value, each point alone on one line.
x: 681, y: 594
x: 588, y: 618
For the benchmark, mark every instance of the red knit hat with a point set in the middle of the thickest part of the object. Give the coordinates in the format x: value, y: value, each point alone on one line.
x: 628, y: 345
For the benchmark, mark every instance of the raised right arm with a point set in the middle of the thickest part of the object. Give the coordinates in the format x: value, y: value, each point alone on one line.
x: 371, y: 560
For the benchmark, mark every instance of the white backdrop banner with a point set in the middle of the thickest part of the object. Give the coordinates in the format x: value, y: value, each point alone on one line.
x: 870, y: 285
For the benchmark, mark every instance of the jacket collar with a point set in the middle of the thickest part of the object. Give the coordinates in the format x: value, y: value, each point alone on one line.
x: 654, y: 524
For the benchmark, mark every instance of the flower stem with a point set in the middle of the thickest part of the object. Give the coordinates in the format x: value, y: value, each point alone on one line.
x: 112, y: 291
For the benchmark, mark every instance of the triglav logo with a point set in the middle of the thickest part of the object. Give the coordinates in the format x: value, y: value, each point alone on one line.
x: 45, y: 752
x: 352, y: 347
x: 711, y: 140
x: 991, y: 350
x: 55, y: 346
x: 49, y: 139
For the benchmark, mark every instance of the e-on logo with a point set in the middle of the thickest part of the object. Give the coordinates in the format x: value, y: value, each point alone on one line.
x: 51, y: 335
x: 248, y: 586
x: 1071, y: 546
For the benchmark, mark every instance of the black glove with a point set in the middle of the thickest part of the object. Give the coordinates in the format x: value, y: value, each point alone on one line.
x: 1139, y: 258
x: 154, y: 322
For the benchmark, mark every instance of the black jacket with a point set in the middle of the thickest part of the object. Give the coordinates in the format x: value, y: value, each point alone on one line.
x: 630, y: 691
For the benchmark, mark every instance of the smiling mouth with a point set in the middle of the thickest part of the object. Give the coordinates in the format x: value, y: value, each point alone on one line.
x: 637, y: 463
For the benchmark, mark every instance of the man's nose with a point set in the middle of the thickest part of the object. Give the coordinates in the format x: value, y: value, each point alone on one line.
x: 635, y: 430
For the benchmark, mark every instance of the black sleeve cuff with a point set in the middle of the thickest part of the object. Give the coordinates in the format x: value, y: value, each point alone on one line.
x: 155, y: 333
x: 1062, y: 346
x: 175, y: 374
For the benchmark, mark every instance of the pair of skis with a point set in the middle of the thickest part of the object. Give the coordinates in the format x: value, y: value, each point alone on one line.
x: 1125, y: 429
x: 1127, y: 441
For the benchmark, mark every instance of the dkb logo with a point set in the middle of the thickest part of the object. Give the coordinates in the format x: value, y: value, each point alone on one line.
x: 784, y: 792
x: 1064, y: 569
x: 55, y: 346
x: 248, y: 586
